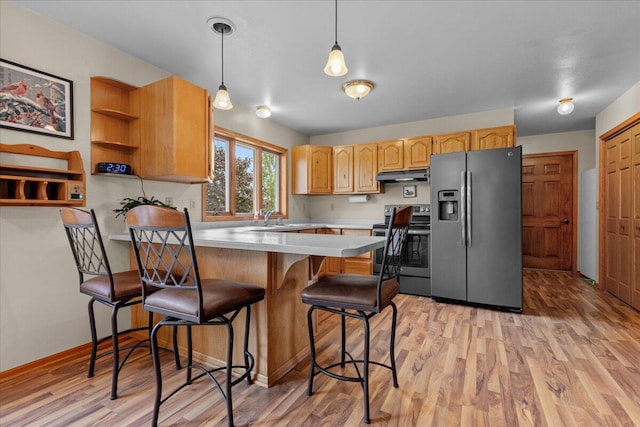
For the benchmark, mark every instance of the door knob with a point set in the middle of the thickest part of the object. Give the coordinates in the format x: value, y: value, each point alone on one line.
x: 564, y: 221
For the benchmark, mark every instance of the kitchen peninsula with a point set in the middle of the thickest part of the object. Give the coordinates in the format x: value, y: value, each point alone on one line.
x: 283, y: 263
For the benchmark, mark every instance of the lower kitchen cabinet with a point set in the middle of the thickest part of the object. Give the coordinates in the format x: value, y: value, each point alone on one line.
x: 361, y: 264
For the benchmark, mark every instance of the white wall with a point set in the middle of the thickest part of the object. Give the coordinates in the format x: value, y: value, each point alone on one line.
x: 41, y: 310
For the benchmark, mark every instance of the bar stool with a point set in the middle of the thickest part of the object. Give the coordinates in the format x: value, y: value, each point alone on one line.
x: 166, y: 256
x: 361, y: 297
x: 114, y: 290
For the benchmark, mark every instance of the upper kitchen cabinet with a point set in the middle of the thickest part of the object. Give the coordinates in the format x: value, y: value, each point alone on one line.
x: 113, y: 138
x: 311, y: 169
x: 501, y: 137
x: 366, y: 168
x: 451, y: 142
x: 391, y: 155
x: 343, y: 169
x: 417, y: 152
x: 175, y: 128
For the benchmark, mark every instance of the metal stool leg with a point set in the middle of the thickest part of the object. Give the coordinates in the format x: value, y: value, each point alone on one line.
x: 312, y: 346
x: 392, y: 347
x: 158, y: 373
x: 94, y: 338
x: 116, y: 352
x: 228, y: 372
x: 365, y: 374
x: 247, y: 362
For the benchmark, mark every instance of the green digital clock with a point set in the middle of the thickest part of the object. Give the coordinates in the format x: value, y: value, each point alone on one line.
x: 112, y: 167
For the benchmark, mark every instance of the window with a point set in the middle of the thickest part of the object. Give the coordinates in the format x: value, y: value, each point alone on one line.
x: 248, y: 177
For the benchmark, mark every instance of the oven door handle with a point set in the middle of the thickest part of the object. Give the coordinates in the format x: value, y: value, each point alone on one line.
x: 419, y: 232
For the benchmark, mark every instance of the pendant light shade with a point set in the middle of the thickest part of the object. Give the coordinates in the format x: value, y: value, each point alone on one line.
x: 335, y: 65
x: 566, y: 106
x: 222, y: 101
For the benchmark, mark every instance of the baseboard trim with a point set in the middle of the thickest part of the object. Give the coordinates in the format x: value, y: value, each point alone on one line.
x: 48, y: 360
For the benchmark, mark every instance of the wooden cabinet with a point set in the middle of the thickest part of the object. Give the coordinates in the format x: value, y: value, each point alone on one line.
x: 113, y: 138
x: 22, y: 184
x: 175, y: 129
x: 417, y: 152
x: 621, y: 215
x: 391, y: 155
x: 366, y: 169
x: 311, y: 169
x: 451, y: 142
x: 343, y: 169
x: 331, y: 265
x: 487, y: 139
x: 361, y: 264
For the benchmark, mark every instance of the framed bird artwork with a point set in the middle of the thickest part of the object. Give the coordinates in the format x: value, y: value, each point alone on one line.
x: 35, y: 101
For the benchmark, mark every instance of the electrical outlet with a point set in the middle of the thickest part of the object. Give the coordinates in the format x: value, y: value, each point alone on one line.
x: 192, y: 204
x: 168, y: 201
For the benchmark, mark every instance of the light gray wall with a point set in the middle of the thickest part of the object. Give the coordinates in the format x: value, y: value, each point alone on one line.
x: 41, y: 310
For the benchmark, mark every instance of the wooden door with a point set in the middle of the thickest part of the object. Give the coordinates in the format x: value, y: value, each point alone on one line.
x: 635, y: 161
x: 618, y: 216
x: 487, y: 139
x: 417, y: 152
x: 343, y: 169
x: 365, y: 168
x: 391, y: 155
x: 548, y: 209
x: 451, y: 142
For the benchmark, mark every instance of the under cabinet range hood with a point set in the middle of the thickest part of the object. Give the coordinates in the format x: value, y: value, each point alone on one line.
x: 404, y: 176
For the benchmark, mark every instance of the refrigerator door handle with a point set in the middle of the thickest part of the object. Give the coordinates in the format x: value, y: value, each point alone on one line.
x: 463, y: 206
x: 468, y: 209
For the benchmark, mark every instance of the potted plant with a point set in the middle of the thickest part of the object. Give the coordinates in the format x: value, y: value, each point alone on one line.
x: 128, y: 203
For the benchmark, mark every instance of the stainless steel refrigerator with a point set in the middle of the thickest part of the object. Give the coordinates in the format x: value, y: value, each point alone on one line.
x: 476, y: 227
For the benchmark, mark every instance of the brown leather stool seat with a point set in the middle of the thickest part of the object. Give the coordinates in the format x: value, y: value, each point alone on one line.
x: 360, y: 297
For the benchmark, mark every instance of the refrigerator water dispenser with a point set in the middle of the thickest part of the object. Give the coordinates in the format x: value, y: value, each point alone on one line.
x: 448, y: 204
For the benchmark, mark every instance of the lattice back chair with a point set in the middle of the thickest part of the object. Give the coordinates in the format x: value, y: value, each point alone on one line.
x: 114, y: 290
x: 361, y: 297
x: 167, y: 262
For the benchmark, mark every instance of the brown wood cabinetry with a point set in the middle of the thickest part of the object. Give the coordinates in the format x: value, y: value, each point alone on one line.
x: 620, y: 217
x: 24, y: 185
x: 361, y: 264
x: 343, y: 169
x: 331, y: 265
x: 175, y: 130
x: 391, y: 155
x: 366, y: 169
x: 486, y: 139
x: 417, y: 152
x: 311, y: 169
x: 113, y: 138
x: 163, y: 130
x: 451, y: 142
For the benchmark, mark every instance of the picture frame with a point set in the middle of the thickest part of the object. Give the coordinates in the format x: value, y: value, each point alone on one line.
x: 409, y: 191
x: 35, y: 101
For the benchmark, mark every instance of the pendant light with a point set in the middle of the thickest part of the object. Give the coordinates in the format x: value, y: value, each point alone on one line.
x: 222, y: 100
x: 335, y: 65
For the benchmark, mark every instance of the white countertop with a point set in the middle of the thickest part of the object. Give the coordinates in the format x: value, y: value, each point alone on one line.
x: 270, y: 241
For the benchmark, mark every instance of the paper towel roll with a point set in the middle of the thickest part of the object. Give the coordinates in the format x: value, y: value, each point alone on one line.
x: 361, y: 198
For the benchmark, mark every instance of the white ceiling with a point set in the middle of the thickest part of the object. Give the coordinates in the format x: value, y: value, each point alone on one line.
x: 428, y: 59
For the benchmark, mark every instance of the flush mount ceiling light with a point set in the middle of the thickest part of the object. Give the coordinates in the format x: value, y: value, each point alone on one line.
x: 566, y: 106
x: 222, y: 26
x: 263, y: 111
x: 357, y: 89
x: 336, y: 65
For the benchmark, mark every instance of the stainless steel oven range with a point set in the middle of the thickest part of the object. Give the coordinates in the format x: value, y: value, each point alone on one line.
x: 415, y: 275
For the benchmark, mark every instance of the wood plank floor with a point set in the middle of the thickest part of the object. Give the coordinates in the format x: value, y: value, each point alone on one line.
x: 571, y: 359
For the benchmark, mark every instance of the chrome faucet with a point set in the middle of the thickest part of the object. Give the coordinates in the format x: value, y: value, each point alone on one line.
x: 267, y: 216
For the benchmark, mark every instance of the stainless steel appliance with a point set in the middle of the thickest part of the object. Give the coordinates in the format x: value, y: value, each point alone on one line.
x: 476, y: 229
x: 415, y: 271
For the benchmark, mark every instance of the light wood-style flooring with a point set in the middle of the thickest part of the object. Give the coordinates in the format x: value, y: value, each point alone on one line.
x: 572, y: 358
